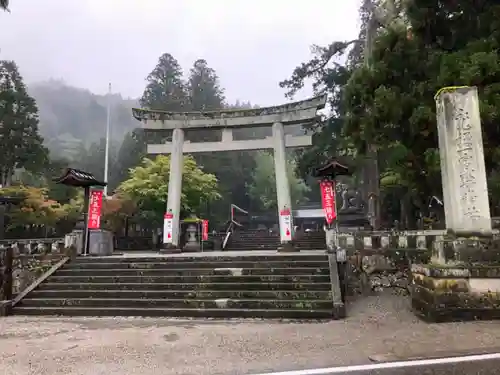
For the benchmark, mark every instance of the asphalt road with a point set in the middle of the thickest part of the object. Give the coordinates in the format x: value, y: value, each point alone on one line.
x: 378, y: 328
x: 486, y: 364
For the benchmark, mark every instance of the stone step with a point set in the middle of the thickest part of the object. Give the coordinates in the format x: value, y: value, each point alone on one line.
x: 254, y: 248
x: 250, y: 246
x: 148, y: 272
x: 253, y: 286
x: 255, y: 240
x: 209, y: 258
x: 201, y: 294
x: 182, y: 303
x: 109, y: 264
x: 176, y: 312
x: 275, y: 236
x: 272, y: 240
x: 269, y: 243
x: 205, y: 279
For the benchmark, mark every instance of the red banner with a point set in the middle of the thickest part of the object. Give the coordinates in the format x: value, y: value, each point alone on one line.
x: 328, y: 200
x: 168, y: 225
x: 95, y: 208
x: 204, y: 230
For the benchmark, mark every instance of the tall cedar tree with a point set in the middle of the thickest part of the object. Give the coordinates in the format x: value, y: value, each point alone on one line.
x: 20, y: 142
x: 165, y: 91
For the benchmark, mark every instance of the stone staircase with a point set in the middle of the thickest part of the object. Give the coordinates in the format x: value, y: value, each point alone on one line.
x: 311, y: 240
x: 250, y: 286
x: 245, y: 240
x: 264, y: 240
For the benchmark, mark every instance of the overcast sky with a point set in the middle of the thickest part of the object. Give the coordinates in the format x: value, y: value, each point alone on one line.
x: 252, y: 44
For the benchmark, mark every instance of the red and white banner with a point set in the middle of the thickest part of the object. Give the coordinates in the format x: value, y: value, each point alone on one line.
x: 328, y: 200
x: 204, y: 230
x: 285, y: 225
x: 168, y: 225
x: 95, y: 208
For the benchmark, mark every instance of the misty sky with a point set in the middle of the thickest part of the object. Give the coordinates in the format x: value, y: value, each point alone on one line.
x: 252, y: 44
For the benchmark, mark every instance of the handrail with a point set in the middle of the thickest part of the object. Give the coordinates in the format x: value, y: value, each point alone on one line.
x: 229, y: 231
x: 233, y: 207
x: 226, y: 239
x: 232, y: 224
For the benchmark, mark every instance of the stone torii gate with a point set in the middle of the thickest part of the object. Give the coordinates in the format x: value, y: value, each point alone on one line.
x: 303, y: 112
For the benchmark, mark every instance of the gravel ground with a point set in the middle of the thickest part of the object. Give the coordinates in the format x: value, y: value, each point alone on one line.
x: 93, y: 346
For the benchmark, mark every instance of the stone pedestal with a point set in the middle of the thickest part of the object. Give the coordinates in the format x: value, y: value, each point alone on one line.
x: 465, y: 287
x: 101, y: 242
x: 168, y: 248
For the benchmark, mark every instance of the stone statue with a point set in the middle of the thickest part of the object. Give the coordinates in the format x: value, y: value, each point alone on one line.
x: 351, y: 200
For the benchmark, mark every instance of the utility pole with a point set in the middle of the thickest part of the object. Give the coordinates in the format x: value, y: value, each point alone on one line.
x: 106, y: 152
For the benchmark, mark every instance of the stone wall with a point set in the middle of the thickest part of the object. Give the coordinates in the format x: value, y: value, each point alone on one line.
x: 32, y: 258
x: 381, y: 260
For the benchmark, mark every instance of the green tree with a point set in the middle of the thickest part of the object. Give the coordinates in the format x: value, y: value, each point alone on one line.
x: 263, y: 185
x: 450, y: 44
x: 91, y: 159
x: 20, y: 141
x: 147, y: 187
x: 165, y: 89
x: 205, y: 93
x: 35, y: 208
x: 418, y: 47
x: 131, y: 152
x: 232, y: 169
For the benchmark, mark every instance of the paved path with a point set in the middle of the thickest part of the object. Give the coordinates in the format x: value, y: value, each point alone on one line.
x: 94, y: 346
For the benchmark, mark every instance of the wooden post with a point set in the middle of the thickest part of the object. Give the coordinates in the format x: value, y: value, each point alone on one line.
x: 7, y: 284
x: 6, y: 264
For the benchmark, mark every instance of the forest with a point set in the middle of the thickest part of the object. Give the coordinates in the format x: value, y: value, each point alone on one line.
x: 380, y: 85
x: 58, y: 126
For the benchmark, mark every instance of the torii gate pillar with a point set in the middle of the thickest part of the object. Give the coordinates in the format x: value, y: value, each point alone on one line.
x: 175, y: 190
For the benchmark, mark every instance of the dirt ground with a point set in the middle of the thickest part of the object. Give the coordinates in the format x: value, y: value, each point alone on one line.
x: 93, y: 346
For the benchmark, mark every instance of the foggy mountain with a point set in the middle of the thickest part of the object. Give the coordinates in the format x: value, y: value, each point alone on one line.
x: 72, y: 118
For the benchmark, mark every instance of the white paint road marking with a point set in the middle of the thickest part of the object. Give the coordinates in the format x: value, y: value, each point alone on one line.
x: 390, y: 365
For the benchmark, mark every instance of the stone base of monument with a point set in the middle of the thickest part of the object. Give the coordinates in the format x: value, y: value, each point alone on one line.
x: 191, y: 247
x: 339, y: 311
x: 5, y: 308
x: 466, y: 286
x: 441, y: 294
x: 288, y: 247
x: 170, y: 249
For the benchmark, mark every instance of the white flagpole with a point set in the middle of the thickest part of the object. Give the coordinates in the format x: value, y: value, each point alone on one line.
x: 106, y: 152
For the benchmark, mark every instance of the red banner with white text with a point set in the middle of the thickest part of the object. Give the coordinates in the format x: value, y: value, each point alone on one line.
x: 204, y: 230
x: 95, y: 208
x: 328, y: 200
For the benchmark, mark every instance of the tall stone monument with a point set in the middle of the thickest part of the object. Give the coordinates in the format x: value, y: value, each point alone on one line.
x: 463, y: 279
x: 465, y: 191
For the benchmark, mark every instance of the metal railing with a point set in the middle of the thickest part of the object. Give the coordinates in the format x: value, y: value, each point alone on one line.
x: 232, y: 224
